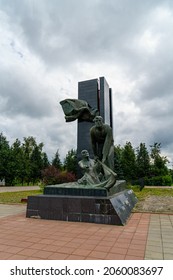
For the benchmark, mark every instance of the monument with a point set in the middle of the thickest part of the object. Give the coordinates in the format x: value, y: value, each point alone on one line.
x: 97, y: 196
x: 98, y: 94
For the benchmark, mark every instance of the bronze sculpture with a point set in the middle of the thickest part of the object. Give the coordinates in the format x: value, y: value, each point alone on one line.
x: 92, y: 175
x: 102, y: 142
x: 89, y: 169
x: 78, y: 109
x: 97, y: 172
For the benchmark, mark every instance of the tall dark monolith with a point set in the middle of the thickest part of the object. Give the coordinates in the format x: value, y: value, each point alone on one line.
x: 99, y: 96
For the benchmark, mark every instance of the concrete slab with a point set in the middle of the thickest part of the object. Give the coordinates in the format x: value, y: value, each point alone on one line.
x: 9, y: 209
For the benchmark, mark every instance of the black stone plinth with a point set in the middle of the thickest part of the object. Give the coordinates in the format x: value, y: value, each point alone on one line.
x: 113, y: 209
x: 74, y: 191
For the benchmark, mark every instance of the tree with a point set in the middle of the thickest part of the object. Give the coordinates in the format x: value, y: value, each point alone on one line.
x: 17, y: 161
x: 33, y: 159
x: 5, y: 170
x: 70, y: 162
x: 128, y: 161
x: 28, y: 146
x: 118, y: 162
x: 56, y: 161
x: 45, y: 160
x: 36, y: 162
x: 143, y: 161
x: 159, y: 162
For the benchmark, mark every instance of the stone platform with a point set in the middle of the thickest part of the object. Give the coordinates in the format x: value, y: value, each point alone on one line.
x: 72, y: 205
x: 72, y: 190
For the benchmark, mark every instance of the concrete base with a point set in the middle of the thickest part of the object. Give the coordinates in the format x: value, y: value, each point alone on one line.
x: 112, y: 209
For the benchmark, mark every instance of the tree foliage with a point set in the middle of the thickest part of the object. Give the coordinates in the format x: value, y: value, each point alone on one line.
x: 158, y: 161
x: 128, y: 161
x: 56, y: 162
x: 70, y: 162
x: 137, y: 165
x: 142, y: 161
x: 21, y: 162
x: 118, y: 162
x: 5, y: 159
x: 26, y: 162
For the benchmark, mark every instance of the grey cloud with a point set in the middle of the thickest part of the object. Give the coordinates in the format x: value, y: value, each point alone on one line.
x: 66, y: 31
x: 163, y: 136
x: 63, y: 33
x: 159, y: 85
x: 20, y: 97
x: 60, y: 136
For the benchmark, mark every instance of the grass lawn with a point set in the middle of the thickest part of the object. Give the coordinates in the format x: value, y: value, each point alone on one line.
x: 15, y: 197
x: 141, y: 195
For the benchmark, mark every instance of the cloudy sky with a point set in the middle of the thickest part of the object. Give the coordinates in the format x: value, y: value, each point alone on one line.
x: 47, y: 47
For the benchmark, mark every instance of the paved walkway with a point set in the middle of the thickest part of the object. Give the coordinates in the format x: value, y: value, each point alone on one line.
x: 160, y: 238
x: 18, y: 189
x: 146, y: 236
x: 158, y: 187
x: 9, y: 209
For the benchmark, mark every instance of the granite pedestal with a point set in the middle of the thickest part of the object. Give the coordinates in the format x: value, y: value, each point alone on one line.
x: 92, y: 205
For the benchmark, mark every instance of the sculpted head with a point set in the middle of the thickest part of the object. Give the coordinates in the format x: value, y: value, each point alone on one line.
x: 98, y: 120
x: 85, y: 154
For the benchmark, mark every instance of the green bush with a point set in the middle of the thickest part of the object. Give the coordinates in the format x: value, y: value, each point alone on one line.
x: 159, y: 181
x: 167, y: 180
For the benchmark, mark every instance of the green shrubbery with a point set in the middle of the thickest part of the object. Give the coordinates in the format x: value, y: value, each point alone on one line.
x: 158, y: 181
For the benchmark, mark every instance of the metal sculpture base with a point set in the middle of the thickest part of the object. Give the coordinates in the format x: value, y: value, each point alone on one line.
x: 114, y: 209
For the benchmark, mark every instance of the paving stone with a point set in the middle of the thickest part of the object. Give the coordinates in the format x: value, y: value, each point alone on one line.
x: 168, y: 256
x: 154, y: 255
x: 22, y: 238
x: 158, y: 249
x: 168, y: 250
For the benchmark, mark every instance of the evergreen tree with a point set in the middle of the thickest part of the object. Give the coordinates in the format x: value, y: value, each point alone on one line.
x: 128, y: 161
x: 45, y: 160
x: 5, y: 155
x: 56, y: 162
x: 143, y: 161
x: 25, y: 161
x: 28, y: 146
x: 70, y: 162
x: 17, y: 161
x: 159, y: 167
x: 36, y: 162
x: 33, y: 159
x: 117, y: 162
